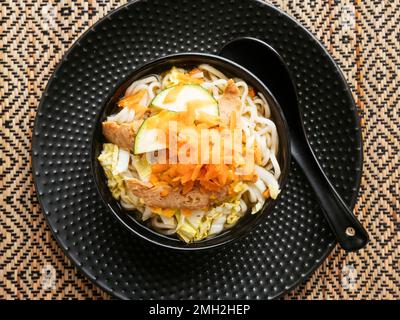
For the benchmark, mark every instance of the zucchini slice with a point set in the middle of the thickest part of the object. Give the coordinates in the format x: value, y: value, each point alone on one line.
x: 177, y: 98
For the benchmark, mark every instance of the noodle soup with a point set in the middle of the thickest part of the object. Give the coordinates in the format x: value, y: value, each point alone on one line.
x: 192, y: 150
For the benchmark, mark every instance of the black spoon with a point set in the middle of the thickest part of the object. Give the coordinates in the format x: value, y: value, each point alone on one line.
x: 270, y: 68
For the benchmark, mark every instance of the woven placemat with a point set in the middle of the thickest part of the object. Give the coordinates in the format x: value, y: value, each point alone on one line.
x: 363, y: 37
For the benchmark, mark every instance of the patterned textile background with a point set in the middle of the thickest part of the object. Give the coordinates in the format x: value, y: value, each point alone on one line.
x: 363, y: 37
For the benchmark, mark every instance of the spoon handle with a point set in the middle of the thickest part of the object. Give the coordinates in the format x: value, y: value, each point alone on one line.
x: 349, y: 232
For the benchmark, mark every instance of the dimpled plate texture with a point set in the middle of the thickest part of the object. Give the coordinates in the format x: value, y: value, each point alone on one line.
x: 277, y: 255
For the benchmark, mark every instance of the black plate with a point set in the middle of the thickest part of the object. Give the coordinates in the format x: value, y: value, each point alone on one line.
x: 277, y: 255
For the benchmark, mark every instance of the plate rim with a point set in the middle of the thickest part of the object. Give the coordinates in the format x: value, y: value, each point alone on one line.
x: 76, y: 43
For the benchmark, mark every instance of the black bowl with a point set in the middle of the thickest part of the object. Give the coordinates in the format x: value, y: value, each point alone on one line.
x: 129, y: 218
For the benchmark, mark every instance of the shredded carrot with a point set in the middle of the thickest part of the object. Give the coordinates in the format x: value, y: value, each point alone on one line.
x: 252, y: 177
x: 164, y: 192
x: 207, y: 119
x: 172, y: 94
x: 210, y: 185
x: 251, y: 93
x: 257, y: 153
x: 187, y: 79
x: 164, y: 212
x: 153, y: 179
x: 140, y: 111
x: 266, y: 194
x: 202, y: 126
x: 222, y: 174
x: 190, y: 115
x: 133, y: 100
x: 172, y: 171
x: 211, y: 172
x: 198, y: 103
x: 180, y: 168
x: 186, y: 212
x: 231, y: 188
x: 165, y: 178
x: 232, y: 121
x: 175, y: 183
x: 187, y: 187
x: 187, y: 177
x: 196, y: 172
x: 157, y: 167
x: 194, y: 71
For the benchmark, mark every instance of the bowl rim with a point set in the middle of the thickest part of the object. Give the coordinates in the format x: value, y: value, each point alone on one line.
x: 267, y: 207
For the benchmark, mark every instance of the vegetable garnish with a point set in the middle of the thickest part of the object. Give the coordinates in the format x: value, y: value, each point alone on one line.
x: 136, y: 102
